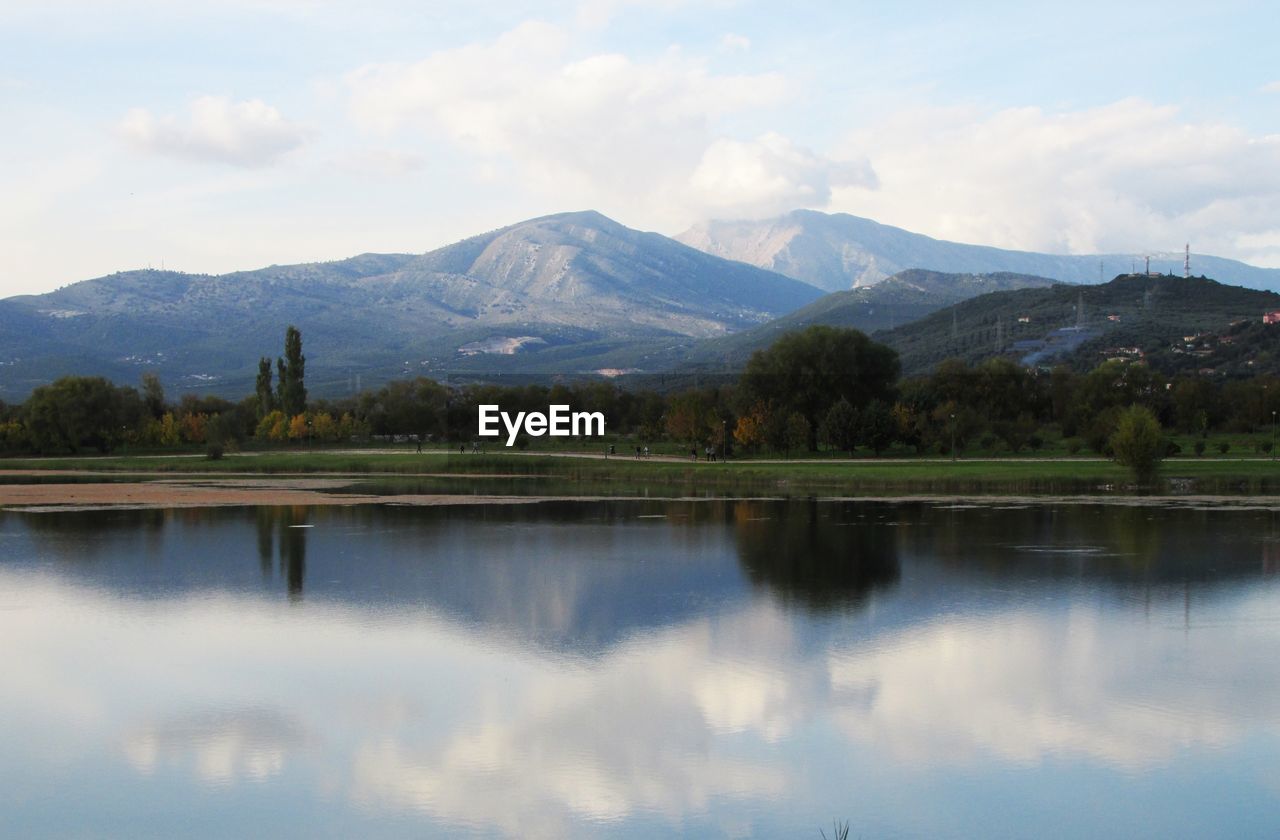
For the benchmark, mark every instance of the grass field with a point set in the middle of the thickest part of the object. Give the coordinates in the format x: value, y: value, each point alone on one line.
x: 820, y: 476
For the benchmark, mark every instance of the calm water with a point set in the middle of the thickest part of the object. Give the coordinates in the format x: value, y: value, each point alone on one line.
x: 641, y: 669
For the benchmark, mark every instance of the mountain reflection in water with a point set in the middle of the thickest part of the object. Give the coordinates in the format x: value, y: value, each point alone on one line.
x: 710, y: 668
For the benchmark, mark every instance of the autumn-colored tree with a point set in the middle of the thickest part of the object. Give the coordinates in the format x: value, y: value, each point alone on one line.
x: 752, y: 427
x: 691, y: 418
x: 273, y: 427
x: 298, y: 427
x: 193, y: 428
x: 170, y: 432
x: 323, y: 427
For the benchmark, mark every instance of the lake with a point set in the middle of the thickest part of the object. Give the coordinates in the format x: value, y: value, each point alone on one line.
x: 642, y: 668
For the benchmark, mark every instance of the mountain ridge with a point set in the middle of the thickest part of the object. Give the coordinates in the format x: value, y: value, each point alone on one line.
x: 837, y: 251
x: 560, y: 281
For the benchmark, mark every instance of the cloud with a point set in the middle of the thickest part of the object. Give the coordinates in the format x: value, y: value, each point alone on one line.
x: 1271, y: 87
x: 248, y: 133
x: 639, y: 137
x: 771, y: 175
x: 1127, y: 176
x: 732, y: 42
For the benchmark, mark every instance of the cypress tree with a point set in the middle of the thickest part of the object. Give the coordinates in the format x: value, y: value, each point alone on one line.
x: 266, y: 398
x: 293, y: 391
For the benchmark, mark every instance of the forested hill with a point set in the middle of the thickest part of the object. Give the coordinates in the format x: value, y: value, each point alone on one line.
x: 1137, y: 315
x: 905, y: 297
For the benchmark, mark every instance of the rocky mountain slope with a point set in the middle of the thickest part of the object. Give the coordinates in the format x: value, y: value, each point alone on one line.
x: 839, y: 251
x: 570, y: 286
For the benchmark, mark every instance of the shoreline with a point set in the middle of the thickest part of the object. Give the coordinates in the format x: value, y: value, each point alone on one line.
x: 312, y: 492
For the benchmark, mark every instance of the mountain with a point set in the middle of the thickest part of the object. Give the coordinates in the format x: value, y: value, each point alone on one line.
x: 905, y: 297
x: 839, y: 251
x: 555, y: 293
x: 1132, y: 316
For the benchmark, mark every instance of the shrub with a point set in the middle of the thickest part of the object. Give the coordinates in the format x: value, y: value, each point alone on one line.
x: 1074, y: 445
x: 213, y: 451
x: 1224, y: 447
x: 1199, y: 447
x: 1138, y: 442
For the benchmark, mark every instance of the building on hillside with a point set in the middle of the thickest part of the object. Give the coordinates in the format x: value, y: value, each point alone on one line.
x: 1272, y: 317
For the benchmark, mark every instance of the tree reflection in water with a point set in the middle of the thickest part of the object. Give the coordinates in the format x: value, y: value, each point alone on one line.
x: 291, y: 525
x: 805, y: 558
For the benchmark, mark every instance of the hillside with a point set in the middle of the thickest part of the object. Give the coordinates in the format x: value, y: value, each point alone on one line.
x: 839, y: 251
x: 1131, y: 316
x: 901, y: 299
x: 552, y: 294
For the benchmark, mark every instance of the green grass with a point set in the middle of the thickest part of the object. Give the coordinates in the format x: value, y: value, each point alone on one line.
x: 625, y: 474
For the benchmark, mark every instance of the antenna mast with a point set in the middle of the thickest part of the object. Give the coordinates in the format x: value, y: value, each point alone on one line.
x: 1186, y: 261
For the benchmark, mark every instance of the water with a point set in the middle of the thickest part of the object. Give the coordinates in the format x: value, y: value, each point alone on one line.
x: 641, y: 669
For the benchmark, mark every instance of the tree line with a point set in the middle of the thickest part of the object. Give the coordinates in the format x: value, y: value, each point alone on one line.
x: 820, y: 388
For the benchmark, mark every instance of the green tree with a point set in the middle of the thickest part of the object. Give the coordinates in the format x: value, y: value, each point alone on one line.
x: 153, y: 395
x: 797, y: 432
x: 808, y: 371
x: 292, y: 391
x: 74, y: 413
x: 1138, y: 442
x: 839, y: 428
x: 266, y: 398
x: 876, y: 427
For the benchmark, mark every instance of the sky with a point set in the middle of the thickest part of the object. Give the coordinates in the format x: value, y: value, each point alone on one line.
x: 212, y: 137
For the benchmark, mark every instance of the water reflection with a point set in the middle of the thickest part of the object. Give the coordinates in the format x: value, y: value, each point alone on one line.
x: 799, y: 552
x: 641, y: 669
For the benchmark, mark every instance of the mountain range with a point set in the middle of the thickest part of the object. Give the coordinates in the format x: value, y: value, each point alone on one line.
x: 559, y: 290
x: 838, y: 251
x: 569, y: 293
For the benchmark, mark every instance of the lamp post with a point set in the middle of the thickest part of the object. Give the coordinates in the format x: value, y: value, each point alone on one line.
x: 724, y: 440
x: 1273, y: 435
x: 953, y: 437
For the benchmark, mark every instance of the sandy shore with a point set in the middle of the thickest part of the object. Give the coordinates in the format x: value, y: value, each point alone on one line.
x: 184, y: 494
x: 317, y: 492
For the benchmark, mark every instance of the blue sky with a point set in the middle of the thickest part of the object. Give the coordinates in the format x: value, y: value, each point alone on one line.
x: 215, y: 137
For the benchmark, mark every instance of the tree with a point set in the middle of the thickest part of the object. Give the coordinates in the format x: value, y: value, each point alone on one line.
x: 266, y: 399
x: 1138, y: 442
x: 798, y: 432
x: 153, y: 395
x: 839, y: 428
x: 691, y: 418
x: 292, y: 391
x: 808, y: 371
x: 752, y: 427
x: 1016, y: 433
x: 75, y: 412
x: 298, y: 427
x: 876, y: 426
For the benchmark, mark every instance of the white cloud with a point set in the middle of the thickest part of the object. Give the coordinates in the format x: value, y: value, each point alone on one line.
x: 1128, y: 176
x: 1271, y: 87
x: 382, y: 162
x: 640, y: 138
x: 732, y: 42
x: 249, y: 133
x: 771, y: 175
